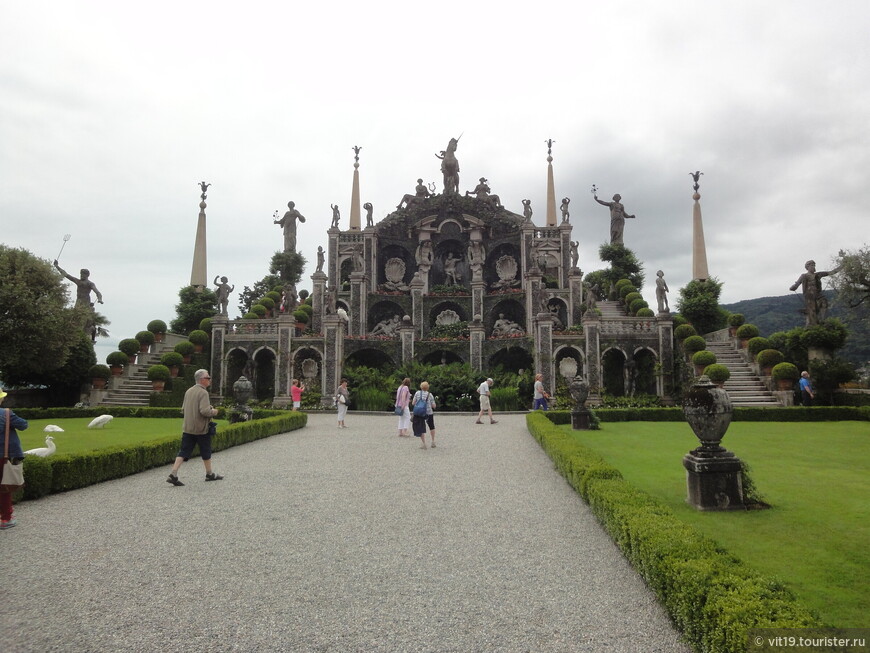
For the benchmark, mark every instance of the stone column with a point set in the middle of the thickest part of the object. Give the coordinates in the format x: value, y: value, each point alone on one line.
x: 333, y: 356
x: 284, y: 364
x: 544, y: 337
x: 417, y: 317
x: 575, y: 299
x: 665, y: 326
x: 592, y: 331
x: 358, y: 303
x: 219, y: 325
x: 565, y: 254
x: 406, y: 336
x: 533, y: 281
x: 318, y: 300
x: 477, y: 337
x: 478, y: 292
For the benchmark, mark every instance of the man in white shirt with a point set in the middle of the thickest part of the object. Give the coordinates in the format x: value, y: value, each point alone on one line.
x: 484, y: 392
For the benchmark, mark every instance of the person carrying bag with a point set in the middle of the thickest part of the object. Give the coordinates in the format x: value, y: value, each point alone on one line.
x: 13, y: 469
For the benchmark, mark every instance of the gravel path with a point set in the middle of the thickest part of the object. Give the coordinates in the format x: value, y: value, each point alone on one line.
x: 330, y: 540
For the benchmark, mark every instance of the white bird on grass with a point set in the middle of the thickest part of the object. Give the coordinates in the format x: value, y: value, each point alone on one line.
x: 100, y: 422
x: 53, y: 428
x: 43, y: 451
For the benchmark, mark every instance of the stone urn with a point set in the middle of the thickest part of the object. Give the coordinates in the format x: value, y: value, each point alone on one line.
x: 580, y: 415
x: 243, y: 390
x: 708, y: 411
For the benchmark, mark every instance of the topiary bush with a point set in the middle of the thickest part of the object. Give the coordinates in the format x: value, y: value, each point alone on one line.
x: 694, y: 343
x: 636, y: 305
x: 185, y: 348
x: 199, y: 337
x: 736, y: 319
x: 99, y: 372
x: 757, y: 344
x: 830, y: 334
x: 205, y: 324
x: 769, y: 357
x: 129, y: 346
x: 630, y: 297
x: 785, y: 372
x: 118, y: 359
x: 259, y: 309
x: 158, y: 373
x: 717, y: 373
x: 626, y: 290
x: 145, y: 338
x: 268, y: 302
x: 301, y: 316
x: 703, y: 358
x: 747, y: 331
x: 684, y: 331
x: 250, y: 316
x: 157, y: 326
x: 679, y: 320
x: 645, y: 312
x: 172, y: 359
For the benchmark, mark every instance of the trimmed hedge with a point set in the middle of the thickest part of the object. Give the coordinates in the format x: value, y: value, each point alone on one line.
x: 739, y: 414
x: 713, y: 598
x: 683, y: 331
x: 72, y: 471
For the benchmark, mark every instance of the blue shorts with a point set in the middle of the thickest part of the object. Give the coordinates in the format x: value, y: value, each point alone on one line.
x: 188, y: 441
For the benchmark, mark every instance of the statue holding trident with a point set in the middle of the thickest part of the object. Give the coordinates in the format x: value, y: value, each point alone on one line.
x: 617, y: 218
x: 450, y: 167
x: 288, y: 222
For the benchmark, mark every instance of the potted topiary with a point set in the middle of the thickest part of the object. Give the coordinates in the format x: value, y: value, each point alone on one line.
x: 683, y: 331
x: 767, y: 358
x: 757, y: 344
x: 735, y: 320
x: 303, y: 295
x: 146, y: 339
x: 269, y: 303
x: 199, y: 339
x: 131, y: 347
x: 645, y: 312
x: 158, y: 375
x: 301, y: 317
x: 259, y: 309
x: 630, y: 297
x: 702, y: 359
x: 186, y: 349
x: 746, y: 332
x: 99, y: 375
x: 205, y: 324
x: 636, y: 305
x: 173, y: 360
x: 717, y: 373
x: 785, y: 374
x: 116, y: 361
x: 158, y: 328
x: 693, y: 344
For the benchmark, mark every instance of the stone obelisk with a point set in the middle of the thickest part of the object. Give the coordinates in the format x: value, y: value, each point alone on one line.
x: 551, y: 186
x: 699, y: 249
x: 354, y: 194
x: 198, y: 272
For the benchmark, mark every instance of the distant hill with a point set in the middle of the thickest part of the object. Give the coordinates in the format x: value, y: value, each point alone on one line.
x: 771, y: 314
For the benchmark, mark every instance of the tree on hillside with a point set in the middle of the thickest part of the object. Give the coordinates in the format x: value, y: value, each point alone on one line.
x: 192, y: 308
x: 37, y: 327
x: 852, y: 280
x: 699, y: 304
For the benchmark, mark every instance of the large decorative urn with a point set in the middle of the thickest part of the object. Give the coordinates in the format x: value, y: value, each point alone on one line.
x: 707, y: 408
x: 243, y: 390
x: 580, y: 414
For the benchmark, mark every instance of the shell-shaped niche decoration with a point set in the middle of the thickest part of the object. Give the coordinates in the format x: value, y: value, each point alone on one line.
x: 394, y: 270
x: 309, y: 368
x: 568, y: 367
x: 447, y: 317
x: 506, y: 267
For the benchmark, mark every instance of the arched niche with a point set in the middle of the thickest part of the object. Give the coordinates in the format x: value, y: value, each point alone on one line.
x: 511, y: 308
x: 382, y: 310
x: 512, y: 359
x: 442, y: 357
x: 374, y: 358
x: 447, y: 305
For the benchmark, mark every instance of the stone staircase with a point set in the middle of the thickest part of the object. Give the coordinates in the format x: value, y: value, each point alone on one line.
x: 610, y: 309
x: 744, y: 387
x: 133, y: 388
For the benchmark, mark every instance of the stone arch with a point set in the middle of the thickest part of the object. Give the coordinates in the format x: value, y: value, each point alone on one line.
x: 371, y: 357
x: 561, y: 312
x: 443, y: 248
x: 570, y: 351
x: 382, y: 310
x: 646, y: 380
x: 613, y: 371
x: 512, y: 358
x: 446, y: 305
x: 511, y: 308
x: 235, y: 360
x: 442, y: 357
x: 490, y: 276
x: 265, y: 362
x: 301, y: 355
x: 396, y: 251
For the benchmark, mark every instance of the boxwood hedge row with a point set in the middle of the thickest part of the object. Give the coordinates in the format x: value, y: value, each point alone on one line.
x: 71, y: 471
x: 712, y: 597
x: 739, y: 414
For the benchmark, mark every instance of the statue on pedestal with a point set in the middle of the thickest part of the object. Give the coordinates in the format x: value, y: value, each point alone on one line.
x: 662, y: 291
x: 815, y: 302
x: 320, y: 258
x: 369, y: 220
x: 421, y: 193
x: 617, y: 218
x: 483, y: 192
x: 288, y: 222
x: 450, y: 167
x: 336, y: 216
x: 223, y: 291
x: 84, y: 287
x: 566, y: 217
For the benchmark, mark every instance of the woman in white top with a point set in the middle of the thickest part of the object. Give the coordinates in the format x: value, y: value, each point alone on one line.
x: 403, y: 400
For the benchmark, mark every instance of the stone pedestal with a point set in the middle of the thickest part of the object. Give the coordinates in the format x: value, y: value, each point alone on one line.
x: 715, y: 482
x: 581, y: 419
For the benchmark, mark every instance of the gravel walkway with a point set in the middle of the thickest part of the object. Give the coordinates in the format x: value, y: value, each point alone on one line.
x: 330, y: 540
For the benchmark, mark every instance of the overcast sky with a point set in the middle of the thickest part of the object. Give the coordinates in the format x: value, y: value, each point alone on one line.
x: 112, y: 112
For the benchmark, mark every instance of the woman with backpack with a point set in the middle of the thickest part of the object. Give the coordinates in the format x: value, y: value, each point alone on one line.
x: 424, y: 407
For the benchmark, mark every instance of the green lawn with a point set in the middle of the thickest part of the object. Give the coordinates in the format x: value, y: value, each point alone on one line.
x: 78, y: 438
x: 816, y: 476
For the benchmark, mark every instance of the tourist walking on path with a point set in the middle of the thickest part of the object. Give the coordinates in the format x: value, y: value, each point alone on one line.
x: 424, y: 397
x: 296, y: 390
x: 11, y: 452
x: 807, y: 394
x: 403, y: 399
x: 541, y: 395
x: 485, y: 407
x: 342, y: 399
x: 197, y: 428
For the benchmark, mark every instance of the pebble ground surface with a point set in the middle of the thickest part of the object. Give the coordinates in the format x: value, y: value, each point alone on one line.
x: 327, y: 539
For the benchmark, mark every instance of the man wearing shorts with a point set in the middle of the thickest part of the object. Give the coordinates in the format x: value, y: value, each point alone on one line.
x: 196, y: 428
x: 485, y: 407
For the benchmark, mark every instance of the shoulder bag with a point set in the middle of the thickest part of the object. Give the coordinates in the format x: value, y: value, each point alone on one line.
x: 13, y: 475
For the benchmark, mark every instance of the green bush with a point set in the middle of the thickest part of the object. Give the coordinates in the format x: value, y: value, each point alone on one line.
x: 713, y: 598
x: 736, y: 319
x: 505, y: 399
x: 300, y: 316
x: 756, y: 345
x: 250, y: 316
x: 769, y: 357
x: 199, y: 337
x: 373, y: 398
x: 158, y: 373
x: 703, y: 358
x: 268, y: 302
x: 645, y: 312
x: 275, y: 296
x: 747, y: 331
x: 717, y: 373
x: 118, y: 359
x: 172, y: 359
x: 157, y: 326
x: 622, y: 282
x: 694, y: 343
x: 830, y: 334
x: 185, y: 348
x: 455, y: 330
x: 259, y: 310
x: 630, y: 297
x: 99, y: 372
x: 679, y: 320
x: 684, y: 331
x: 636, y: 305
x: 308, y: 308
x: 205, y: 324
x: 785, y: 372
x: 626, y: 290
x: 129, y: 346
x: 145, y: 338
